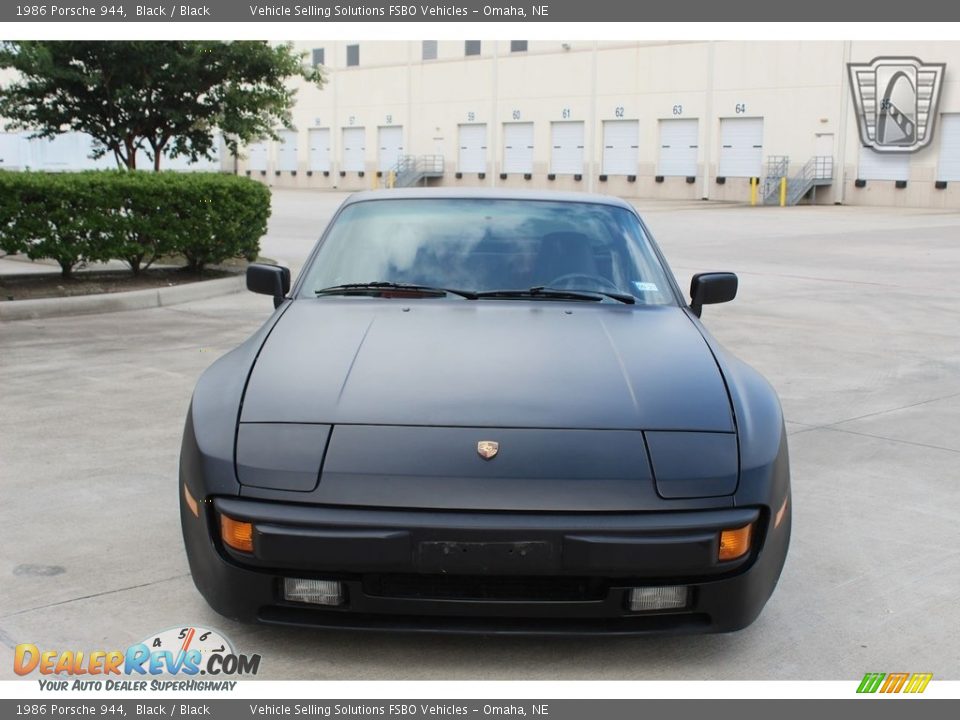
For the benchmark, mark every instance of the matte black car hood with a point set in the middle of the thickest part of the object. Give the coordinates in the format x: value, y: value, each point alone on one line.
x: 487, y: 363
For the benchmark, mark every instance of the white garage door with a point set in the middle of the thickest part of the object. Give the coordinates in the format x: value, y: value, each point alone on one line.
x: 883, y: 166
x: 61, y: 152
x: 70, y: 151
x: 14, y: 151
x: 741, y: 147
x: 182, y: 163
x: 679, y: 147
x: 391, y: 146
x: 319, y: 139
x: 473, y: 148
x: 566, y: 148
x: 948, y: 168
x: 287, y: 151
x: 257, y: 156
x: 621, y: 140
x: 354, y: 148
x: 518, y: 147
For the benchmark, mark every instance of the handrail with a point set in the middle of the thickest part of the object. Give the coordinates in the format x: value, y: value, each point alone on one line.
x: 818, y: 170
x: 778, y: 165
x: 410, y: 169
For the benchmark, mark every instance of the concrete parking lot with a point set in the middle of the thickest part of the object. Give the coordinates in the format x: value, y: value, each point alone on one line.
x: 852, y: 313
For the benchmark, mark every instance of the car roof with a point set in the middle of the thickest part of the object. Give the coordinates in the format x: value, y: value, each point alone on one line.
x: 486, y: 194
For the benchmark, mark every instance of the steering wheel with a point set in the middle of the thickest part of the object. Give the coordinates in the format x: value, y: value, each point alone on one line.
x: 561, y: 279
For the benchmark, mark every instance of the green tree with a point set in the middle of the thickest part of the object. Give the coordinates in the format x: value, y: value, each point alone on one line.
x: 165, y: 97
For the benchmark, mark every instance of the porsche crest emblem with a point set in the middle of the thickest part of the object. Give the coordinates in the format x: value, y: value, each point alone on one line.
x: 488, y: 449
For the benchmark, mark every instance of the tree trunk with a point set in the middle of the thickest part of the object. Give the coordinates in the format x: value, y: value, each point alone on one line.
x: 131, y: 153
x: 66, y: 269
x: 158, y: 153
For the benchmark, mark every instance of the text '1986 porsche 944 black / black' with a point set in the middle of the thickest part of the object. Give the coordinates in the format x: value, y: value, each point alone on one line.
x: 486, y: 412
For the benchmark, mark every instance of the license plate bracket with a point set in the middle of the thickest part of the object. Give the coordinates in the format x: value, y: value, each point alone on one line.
x: 504, y: 558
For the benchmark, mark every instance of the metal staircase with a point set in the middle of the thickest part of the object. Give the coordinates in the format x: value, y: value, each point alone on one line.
x: 817, y: 172
x: 413, y: 170
x: 778, y: 166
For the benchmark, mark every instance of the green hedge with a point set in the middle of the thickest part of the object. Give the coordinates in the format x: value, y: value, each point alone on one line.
x: 133, y: 216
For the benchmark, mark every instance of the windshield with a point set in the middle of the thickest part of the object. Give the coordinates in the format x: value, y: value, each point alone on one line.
x: 482, y: 245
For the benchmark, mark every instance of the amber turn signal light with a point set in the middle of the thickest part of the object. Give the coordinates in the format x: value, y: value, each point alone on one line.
x: 735, y: 543
x: 190, y: 501
x: 780, y: 513
x: 236, y: 534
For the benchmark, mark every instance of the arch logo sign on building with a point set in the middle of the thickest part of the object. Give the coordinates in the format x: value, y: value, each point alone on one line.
x: 896, y: 100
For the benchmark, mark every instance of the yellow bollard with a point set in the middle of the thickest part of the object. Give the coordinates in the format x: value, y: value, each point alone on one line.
x: 753, y: 190
x: 391, y: 179
x: 783, y: 192
x: 374, y: 182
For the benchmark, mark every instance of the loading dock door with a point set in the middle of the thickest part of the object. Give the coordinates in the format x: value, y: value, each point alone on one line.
x: 741, y: 147
x: 883, y: 166
x: 621, y: 142
x: 391, y: 146
x: 518, y: 147
x: 319, y: 139
x: 182, y: 163
x: 472, y: 156
x: 679, y: 147
x: 566, y: 148
x: 354, y: 149
x: 948, y: 167
x: 257, y: 156
x: 14, y: 151
x: 67, y: 152
x: 287, y: 152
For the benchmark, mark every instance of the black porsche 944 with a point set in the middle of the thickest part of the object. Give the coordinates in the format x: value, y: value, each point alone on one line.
x: 486, y: 411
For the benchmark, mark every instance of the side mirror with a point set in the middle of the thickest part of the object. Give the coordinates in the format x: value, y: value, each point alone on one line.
x: 711, y: 288
x: 269, y: 280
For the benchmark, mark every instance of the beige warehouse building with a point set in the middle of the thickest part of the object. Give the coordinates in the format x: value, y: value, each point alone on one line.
x: 684, y: 120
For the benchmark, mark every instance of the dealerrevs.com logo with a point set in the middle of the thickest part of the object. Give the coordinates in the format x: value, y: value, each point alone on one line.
x: 182, y: 651
x: 894, y: 682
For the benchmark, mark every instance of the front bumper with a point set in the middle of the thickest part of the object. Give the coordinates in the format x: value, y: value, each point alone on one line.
x: 537, y: 573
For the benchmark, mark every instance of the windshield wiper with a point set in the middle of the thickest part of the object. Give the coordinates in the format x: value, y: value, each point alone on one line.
x: 360, y: 288
x: 556, y: 294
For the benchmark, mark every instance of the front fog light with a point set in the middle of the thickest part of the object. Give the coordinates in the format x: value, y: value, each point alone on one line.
x: 666, y: 597
x: 315, y: 592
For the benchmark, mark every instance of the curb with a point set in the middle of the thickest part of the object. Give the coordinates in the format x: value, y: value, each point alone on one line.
x: 119, y: 302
